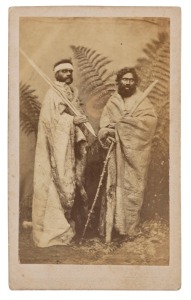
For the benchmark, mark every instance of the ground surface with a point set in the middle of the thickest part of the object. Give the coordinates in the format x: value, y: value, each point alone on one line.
x: 151, y: 247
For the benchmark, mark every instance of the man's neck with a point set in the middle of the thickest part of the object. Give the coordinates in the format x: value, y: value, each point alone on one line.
x: 61, y: 83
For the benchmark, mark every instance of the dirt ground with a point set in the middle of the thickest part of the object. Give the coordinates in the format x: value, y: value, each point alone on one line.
x: 151, y: 247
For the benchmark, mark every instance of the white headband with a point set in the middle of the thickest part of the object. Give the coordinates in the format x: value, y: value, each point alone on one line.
x: 63, y: 66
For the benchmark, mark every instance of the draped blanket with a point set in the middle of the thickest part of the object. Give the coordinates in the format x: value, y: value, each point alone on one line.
x: 128, y: 164
x: 55, y: 173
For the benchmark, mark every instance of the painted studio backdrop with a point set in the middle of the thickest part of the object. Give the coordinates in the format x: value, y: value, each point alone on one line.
x: 98, y: 47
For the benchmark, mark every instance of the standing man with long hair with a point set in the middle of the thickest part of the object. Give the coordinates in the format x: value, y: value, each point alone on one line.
x: 132, y: 134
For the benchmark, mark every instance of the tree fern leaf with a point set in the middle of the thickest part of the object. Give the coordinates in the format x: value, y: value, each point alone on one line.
x: 26, y: 125
x: 88, y: 51
x: 98, y: 61
x: 164, y: 85
x: 88, y: 73
x: 23, y: 88
x: 88, y: 82
x: 80, y: 48
x: 91, y: 66
x: 104, y: 64
x: 159, y: 90
x: 166, y: 50
x: 92, y: 77
x: 151, y: 47
x: 108, y: 85
x: 91, y: 54
x: 85, y: 66
x: 150, y: 54
x: 156, y: 98
x: 163, y: 61
x: 109, y: 77
x: 107, y: 89
x: 103, y: 93
x: 93, y: 86
x: 153, y: 94
x: 161, y: 67
x: 165, y: 55
x: 156, y: 43
x: 142, y: 61
x: 103, y: 73
x: 86, y: 69
x: 82, y: 61
x: 159, y: 75
x: 29, y: 109
x: 94, y: 58
x: 97, y: 90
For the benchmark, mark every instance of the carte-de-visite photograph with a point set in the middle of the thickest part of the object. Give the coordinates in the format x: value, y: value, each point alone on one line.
x: 95, y: 106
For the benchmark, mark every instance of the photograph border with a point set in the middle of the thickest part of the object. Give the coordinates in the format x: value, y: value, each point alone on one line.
x: 102, y: 277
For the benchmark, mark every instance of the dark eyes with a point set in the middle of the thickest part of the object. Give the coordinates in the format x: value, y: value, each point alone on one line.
x: 128, y: 80
x: 66, y: 71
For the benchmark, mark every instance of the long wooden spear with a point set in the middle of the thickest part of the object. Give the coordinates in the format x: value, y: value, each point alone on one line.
x: 58, y: 92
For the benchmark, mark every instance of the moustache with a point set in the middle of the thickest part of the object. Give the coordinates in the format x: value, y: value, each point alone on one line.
x: 70, y: 78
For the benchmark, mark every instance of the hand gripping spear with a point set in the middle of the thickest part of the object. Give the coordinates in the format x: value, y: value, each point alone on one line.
x: 138, y: 102
x: 58, y: 92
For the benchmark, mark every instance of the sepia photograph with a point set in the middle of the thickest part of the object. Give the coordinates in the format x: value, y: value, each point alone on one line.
x: 93, y: 118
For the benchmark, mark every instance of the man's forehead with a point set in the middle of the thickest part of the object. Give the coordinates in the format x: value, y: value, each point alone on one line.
x: 128, y: 75
x: 63, y: 66
x: 67, y: 69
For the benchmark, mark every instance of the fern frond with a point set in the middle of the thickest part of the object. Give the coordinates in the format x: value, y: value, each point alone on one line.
x: 90, y: 55
x: 104, y: 64
x: 98, y: 61
x: 100, y: 89
x: 91, y: 66
x: 151, y: 47
x: 29, y: 109
x: 149, y: 53
x: 162, y: 69
x: 94, y: 58
x: 103, y: 73
x: 109, y: 76
x: 26, y: 123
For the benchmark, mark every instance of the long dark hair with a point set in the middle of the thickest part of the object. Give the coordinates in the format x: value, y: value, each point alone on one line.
x: 126, y: 70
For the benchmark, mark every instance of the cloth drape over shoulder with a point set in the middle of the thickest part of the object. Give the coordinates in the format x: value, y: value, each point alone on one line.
x: 55, y: 171
x: 128, y: 165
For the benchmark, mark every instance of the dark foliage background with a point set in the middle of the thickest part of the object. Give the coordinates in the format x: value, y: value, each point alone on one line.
x: 96, y: 86
x: 29, y: 109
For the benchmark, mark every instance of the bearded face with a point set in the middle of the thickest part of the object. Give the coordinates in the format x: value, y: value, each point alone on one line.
x: 127, y: 85
x: 64, y: 75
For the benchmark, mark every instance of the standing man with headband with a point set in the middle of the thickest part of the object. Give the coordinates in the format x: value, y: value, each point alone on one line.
x: 59, y: 162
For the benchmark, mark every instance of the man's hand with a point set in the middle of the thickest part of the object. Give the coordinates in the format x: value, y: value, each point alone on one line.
x: 109, y: 140
x: 80, y: 119
x: 106, y: 136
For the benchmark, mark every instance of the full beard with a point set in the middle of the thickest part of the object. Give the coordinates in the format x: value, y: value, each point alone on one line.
x: 67, y: 80
x: 124, y: 92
